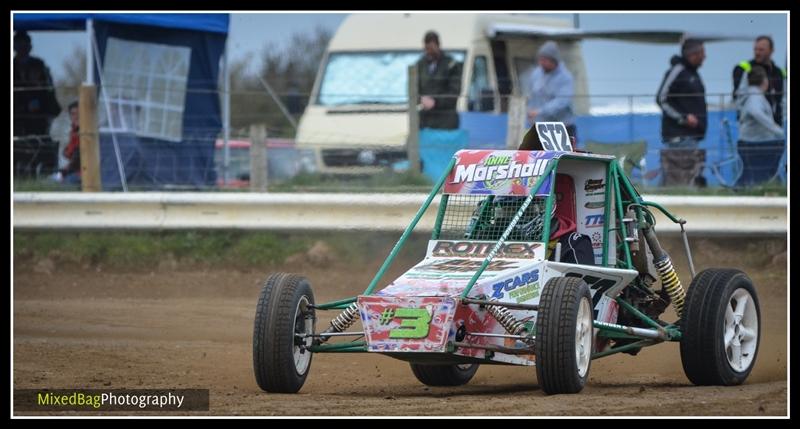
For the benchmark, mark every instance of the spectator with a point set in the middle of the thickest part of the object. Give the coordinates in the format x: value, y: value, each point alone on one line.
x: 762, y: 56
x: 551, y: 89
x: 439, y: 86
x: 35, y: 106
x: 681, y: 97
x: 761, y: 143
x: 71, y: 173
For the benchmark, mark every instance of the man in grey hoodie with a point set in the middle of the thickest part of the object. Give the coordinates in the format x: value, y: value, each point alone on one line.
x: 550, y: 89
x: 761, y: 140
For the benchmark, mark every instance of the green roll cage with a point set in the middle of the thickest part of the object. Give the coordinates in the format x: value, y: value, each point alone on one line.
x: 617, y: 181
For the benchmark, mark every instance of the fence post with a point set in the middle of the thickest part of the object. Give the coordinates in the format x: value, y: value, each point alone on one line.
x: 517, y: 116
x: 89, y: 144
x: 258, y: 158
x: 412, y: 144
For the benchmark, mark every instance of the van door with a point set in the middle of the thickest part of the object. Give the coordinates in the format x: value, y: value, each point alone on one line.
x: 503, y: 75
x: 522, y: 56
x: 481, y: 91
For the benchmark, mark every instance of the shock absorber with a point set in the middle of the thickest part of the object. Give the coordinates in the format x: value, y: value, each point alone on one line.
x: 671, y: 283
x: 343, y: 321
x: 506, y: 319
x: 669, y: 278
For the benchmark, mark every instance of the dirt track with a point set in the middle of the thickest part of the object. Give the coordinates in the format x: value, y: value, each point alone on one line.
x: 192, y: 328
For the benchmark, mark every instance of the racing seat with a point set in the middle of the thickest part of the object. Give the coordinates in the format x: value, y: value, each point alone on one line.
x: 576, y: 248
x: 565, y: 206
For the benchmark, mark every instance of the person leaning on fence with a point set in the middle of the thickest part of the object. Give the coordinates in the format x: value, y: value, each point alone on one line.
x: 71, y: 172
x: 35, y: 107
x: 761, y: 140
x: 681, y: 98
x: 762, y: 57
x: 439, y: 78
x: 551, y: 89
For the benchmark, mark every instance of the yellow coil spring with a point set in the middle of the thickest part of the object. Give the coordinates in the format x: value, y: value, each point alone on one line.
x: 672, y: 284
x: 506, y: 319
x: 346, y: 318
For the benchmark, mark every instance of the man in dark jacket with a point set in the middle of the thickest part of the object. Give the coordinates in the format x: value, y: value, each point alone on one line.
x: 35, y: 103
x: 681, y: 97
x: 439, y: 86
x: 762, y: 56
x: 35, y: 106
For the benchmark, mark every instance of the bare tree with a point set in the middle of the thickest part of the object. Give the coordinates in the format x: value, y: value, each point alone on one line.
x: 74, y: 68
x: 290, y: 71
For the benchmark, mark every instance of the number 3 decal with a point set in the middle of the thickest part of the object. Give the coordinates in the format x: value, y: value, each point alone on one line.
x: 415, y: 324
x: 553, y: 136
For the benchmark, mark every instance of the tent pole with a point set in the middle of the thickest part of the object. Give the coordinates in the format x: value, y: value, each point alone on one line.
x: 104, y: 91
x: 87, y: 114
x: 226, y: 114
x: 89, y: 52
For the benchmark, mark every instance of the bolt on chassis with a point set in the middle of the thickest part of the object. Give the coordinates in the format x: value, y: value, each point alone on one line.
x: 493, y: 288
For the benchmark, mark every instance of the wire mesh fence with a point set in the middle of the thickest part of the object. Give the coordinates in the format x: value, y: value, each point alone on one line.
x: 481, y: 217
x: 362, y: 146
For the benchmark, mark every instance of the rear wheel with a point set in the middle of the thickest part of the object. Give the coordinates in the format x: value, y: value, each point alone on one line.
x: 281, y: 358
x: 564, y: 335
x: 444, y: 375
x: 721, y: 328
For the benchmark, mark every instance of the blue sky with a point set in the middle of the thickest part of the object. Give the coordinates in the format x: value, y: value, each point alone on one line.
x: 614, y: 67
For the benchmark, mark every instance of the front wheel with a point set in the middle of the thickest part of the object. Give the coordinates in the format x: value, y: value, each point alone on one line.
x: 281, y: 335
x: 564, y: 335
x: 721, y: 328
x: 444, y: 375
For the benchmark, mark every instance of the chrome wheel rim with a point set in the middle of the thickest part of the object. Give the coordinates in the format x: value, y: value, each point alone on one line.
x: 583, y: 337
x: 303, y: 328
x: 740, y: 330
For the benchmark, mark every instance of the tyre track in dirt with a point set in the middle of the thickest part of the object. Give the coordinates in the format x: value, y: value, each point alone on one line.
x: 192, y: 328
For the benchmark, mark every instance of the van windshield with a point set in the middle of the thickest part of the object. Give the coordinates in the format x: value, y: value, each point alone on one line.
x: 369, y: 77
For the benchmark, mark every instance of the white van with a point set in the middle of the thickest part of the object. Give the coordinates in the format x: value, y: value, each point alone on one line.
x: 357, y: 120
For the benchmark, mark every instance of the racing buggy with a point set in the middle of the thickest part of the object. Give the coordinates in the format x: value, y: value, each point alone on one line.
x: 545, y: 258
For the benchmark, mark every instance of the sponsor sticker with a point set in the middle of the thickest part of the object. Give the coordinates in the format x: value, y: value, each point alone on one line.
x: 471, y: 249
x: 465, y: 265
x: 595, y: 205
x: 593, y: 185
x: 597, y: 240
x: 594, y: 221
x: 497, y: 168
x: 522, y: 287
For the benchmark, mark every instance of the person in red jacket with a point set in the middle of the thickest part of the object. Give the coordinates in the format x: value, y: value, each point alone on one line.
x: 71, y: 173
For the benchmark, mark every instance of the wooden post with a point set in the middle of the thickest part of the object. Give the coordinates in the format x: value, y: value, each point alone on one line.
x: 258, y: 158
x: 89, y: 139
x: 412, y: 144
x: 517, y: 116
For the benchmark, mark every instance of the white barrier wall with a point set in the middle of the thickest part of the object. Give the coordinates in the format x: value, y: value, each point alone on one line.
x: 156, y: 211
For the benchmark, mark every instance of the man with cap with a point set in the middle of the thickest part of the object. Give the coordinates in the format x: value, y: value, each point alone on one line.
x: 682, y: 98
x: 550, y: 89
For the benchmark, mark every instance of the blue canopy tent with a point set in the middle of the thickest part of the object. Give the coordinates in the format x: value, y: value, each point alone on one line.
x: 159, y: 110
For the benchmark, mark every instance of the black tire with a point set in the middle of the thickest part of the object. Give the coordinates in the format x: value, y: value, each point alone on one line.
x: 557, y: 365
x: 444, y: 375
x: 279, y: 313
x: 704, y: 355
